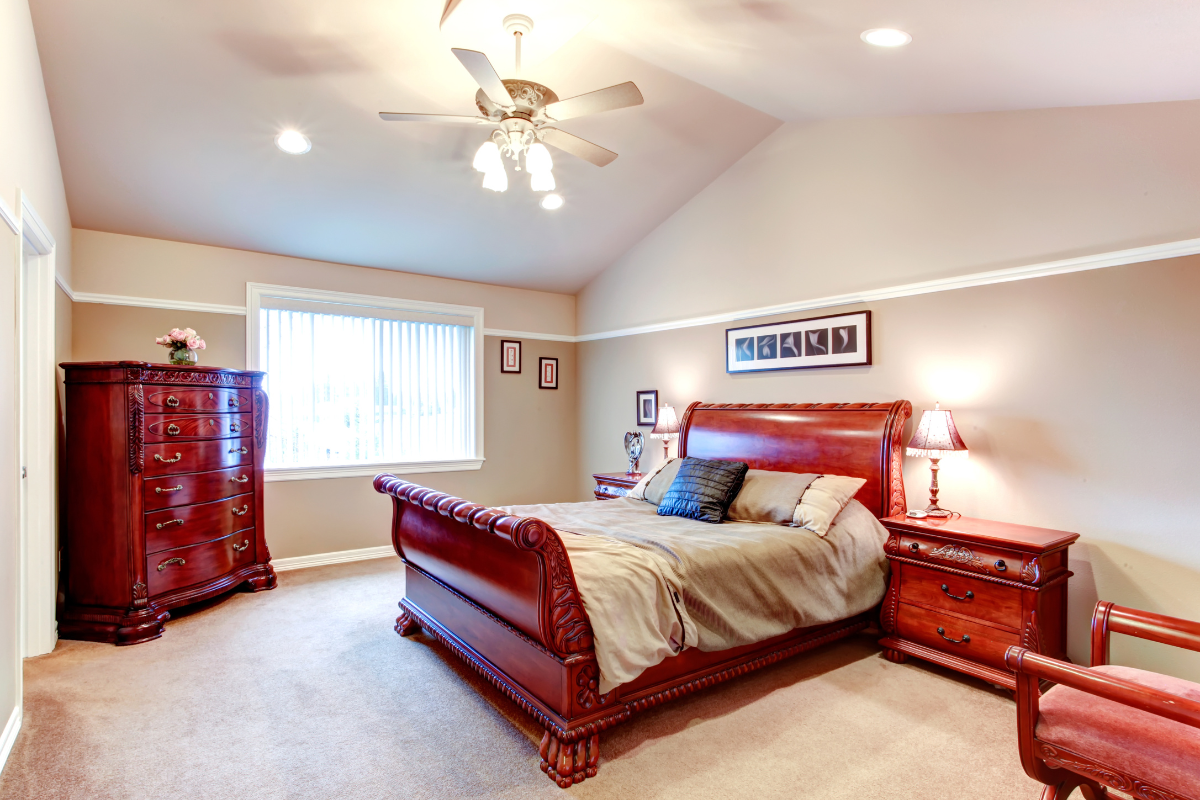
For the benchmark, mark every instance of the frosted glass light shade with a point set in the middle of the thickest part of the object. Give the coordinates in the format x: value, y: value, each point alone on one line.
x: 936, y: 436
x: 496, y: 180
x: 542, y: 181
x: 487, y: 158
x: 537, y: 159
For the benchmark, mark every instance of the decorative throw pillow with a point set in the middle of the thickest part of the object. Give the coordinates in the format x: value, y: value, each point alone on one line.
x: 769, y: 496
x: 702, y: 489
x: 823, y: 500
x: 654, y: 484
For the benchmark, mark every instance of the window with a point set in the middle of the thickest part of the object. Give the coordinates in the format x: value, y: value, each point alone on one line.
x: 359, y: 384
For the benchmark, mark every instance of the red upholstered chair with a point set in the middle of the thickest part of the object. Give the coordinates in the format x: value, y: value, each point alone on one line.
x: 1111, y: 726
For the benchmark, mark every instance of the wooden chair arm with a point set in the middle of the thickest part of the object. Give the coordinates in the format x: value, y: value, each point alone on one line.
x: 1118, y: 690
x: 1110, y: 618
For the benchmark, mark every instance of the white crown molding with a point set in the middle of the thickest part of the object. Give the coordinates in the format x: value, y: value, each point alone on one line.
x: 1157, y: 252
x: 272, y: 474
x: 153, y: 302
x: 9, y: 737
x: 548, y: 337
x: 35, y: 231
x: 9, y: 217
x: 66, y: 287
x: 323, y: 559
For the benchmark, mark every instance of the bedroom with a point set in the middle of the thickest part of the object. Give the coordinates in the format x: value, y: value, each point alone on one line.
x: 1012, y: 195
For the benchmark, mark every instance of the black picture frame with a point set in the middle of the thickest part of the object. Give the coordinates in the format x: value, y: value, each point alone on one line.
x: 835, y: 340
x: 505, y: 350
x: 547, y: 380
x: 643, y: 397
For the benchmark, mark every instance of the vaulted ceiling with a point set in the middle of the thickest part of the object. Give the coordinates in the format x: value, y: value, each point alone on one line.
x: 165, y: 112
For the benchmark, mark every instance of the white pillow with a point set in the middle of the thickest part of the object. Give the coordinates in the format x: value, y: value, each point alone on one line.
x: 823, y: 500
x: 654, y: 484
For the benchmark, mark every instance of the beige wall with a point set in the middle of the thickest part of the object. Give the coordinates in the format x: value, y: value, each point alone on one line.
x: 531, y: 440
x: 825, y: 208
x: 133, y: 266
x: 1076, y: 395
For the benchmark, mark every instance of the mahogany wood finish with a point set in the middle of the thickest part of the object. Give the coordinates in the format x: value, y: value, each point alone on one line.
x: 163, y: 484
x: 498, y: 590
x: 1061, y: 770
x: 962, y: 591
x: 610, y: 485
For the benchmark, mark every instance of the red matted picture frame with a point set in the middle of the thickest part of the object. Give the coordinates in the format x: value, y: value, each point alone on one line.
x: 547, y: 373
x: 510, y: 356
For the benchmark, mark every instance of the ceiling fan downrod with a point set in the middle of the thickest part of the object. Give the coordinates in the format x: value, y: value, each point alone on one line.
x: 518, y: 25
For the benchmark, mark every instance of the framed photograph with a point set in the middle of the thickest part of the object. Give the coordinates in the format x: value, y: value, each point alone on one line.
x: 547, y: 373
x: 647, y: 407
x: 510, y: 355
x: 841, y: 340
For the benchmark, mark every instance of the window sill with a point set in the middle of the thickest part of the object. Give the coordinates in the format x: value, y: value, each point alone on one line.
x: 369, y: 470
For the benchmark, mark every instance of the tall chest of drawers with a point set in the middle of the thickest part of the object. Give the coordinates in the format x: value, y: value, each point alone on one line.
x: 162, y: 482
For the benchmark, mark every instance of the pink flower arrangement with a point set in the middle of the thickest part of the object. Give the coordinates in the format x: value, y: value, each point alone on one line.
x: 178, y: 340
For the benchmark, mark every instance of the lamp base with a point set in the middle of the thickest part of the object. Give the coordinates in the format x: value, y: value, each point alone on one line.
x: 933, y: 510
x: 937, y: 512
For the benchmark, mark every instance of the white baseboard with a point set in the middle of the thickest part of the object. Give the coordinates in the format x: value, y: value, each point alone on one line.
x: 340, y: 557
x: 9, y: 737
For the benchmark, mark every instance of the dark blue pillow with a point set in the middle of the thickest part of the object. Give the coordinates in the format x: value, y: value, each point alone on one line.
x: 702, y: 489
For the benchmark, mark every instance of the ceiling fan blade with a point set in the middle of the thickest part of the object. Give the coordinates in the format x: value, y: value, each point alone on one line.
x: 582, y: 148
x: 447, y: 11
x: 448, y: 119
x: 622, y: 95
x: 485, y: 75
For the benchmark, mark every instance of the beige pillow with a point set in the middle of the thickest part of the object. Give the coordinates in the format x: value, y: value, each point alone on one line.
x: 769, y: 496
x: 823, y: 500
x: 654, y: 484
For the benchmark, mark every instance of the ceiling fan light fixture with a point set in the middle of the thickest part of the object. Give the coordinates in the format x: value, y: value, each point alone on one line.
x: 552, y: 201
x: 542, y: 181
x: 886, y: 37
x: 487, y: 158
x: 294, y: 143
x: 496, y: 180
x: 537, y: 159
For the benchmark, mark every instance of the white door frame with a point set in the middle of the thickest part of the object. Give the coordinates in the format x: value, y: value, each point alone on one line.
x: 37, y: 382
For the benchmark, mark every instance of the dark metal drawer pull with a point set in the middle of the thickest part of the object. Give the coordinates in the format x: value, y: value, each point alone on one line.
x: 170, y: 561
x: 161, y: 490
x: 245, y: 510
x: 241, y: 450
x: 178, y: 456
x: 172, y: 429
x: 946, y: 589
x: 966, y: 639
x: 173, y: 401
x: 162, y: 525
x: 234, y: 427
x: 243, y: 479
x: 245, y: 544
x: 1001, y: 566
x: 916, y: 548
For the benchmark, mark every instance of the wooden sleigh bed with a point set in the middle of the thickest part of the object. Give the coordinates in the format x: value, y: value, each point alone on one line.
x: 498, y: 589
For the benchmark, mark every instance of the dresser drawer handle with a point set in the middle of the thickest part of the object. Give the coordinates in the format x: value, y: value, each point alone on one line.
x: 173, y: 401
x: 177, y: 457
x: 243, y: 479
x: 243, y: 512
x: 161, y: 490
x: 916, y: 548
x: 162, y: 525
x: 966, y: 639
x: 172, y: 429
x: 1001, y: 566
x: 946, y: 589
x: 245, y: 544
x: 234, y: 427
x: 241, y: 450
x: 163, y: 565
x: 234, y: 402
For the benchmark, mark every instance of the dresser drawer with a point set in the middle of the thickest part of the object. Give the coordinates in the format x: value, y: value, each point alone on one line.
x: 984, y: 644
x: 173, y: 458
x: 177, y: 399
x: 992, y: 561
x: 203, y: 522
x: 184, y: 566
x: 201, y: 487
x: 971, y: 597
x: 163, y: 428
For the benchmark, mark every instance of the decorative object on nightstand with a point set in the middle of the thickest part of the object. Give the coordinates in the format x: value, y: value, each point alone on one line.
x: 510, y: 356
x: 611, y: 485
x: 547, y: 373
x: 936, y: 438
x: 634, y: 444
x: 667, y: 428
x: 647, y: 407
x: 963, y: 591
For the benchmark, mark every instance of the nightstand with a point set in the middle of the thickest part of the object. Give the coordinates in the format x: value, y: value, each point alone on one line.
x: 964, y: 590
x: 610, y: 485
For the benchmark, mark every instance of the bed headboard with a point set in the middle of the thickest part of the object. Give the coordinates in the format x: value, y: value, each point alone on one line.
x: 861, y: 440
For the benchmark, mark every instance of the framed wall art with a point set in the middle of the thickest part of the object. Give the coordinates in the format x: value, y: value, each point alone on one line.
x: 547, y: 373
x: 841, y: 340
x: 510, y: 355
x: 647, y: 407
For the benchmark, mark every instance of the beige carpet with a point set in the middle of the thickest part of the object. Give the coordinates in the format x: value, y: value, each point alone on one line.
x: 306, y: 692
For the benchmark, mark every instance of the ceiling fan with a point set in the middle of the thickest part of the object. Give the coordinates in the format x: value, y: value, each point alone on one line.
x: 524, y: 114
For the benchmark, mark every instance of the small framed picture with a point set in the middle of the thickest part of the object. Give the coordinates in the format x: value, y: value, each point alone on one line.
x: 510, y: 355
x: 647, y: 407
x: 547, y: 373
x: 841, y: 340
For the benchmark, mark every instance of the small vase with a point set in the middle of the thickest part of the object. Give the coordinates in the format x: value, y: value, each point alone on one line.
x: 184, y: 357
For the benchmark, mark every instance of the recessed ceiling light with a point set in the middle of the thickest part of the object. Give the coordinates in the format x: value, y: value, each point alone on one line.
x: 886, y: 37
x: 552, y: 201
x: 293, y: 143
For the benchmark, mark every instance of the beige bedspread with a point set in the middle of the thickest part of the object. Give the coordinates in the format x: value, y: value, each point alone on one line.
x: 653, y: 585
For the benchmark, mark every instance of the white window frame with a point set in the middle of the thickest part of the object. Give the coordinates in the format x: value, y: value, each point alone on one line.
x: 255, y: 292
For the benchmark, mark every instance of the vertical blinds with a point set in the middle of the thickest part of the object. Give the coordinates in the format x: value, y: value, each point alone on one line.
x: 356, y: 388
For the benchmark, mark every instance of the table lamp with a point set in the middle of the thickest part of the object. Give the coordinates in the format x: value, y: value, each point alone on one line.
x: 935, y: 439
x: 667, y: 428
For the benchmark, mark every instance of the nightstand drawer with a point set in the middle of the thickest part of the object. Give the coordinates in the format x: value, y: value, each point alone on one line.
x: 982, y: 643
x: 983, y: 560
x: 970, y: 597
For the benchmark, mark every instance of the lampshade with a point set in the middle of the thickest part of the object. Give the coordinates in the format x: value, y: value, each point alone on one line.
x: 487, y: 158
x: 667, y: 426
x: 496, y: 180
x: 541, y: 181
x: 537, y: 159
x: 936, y: 436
